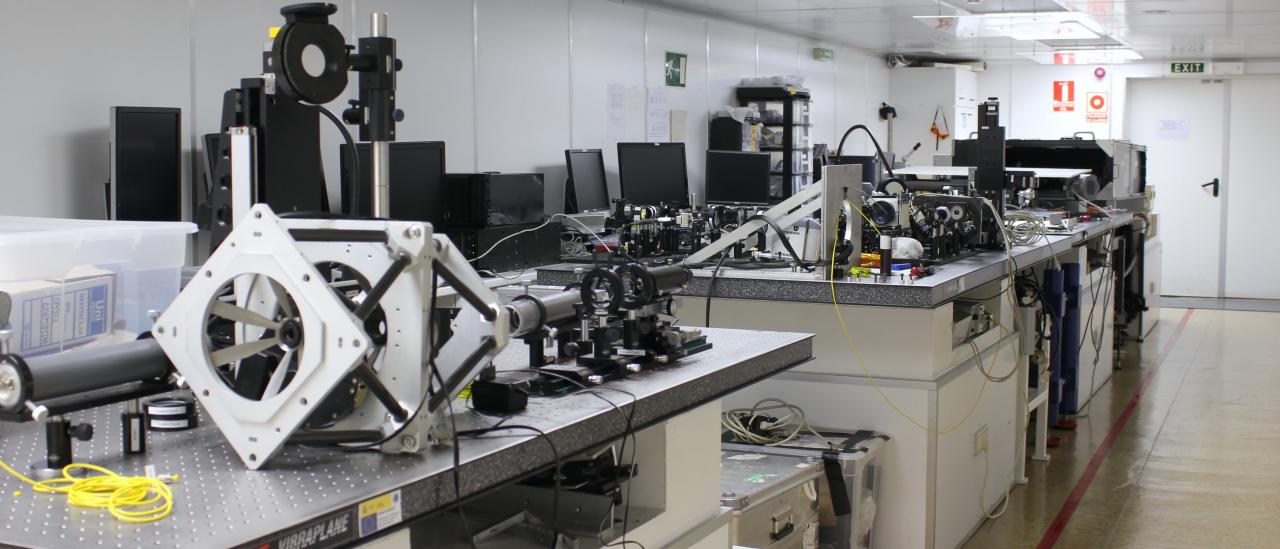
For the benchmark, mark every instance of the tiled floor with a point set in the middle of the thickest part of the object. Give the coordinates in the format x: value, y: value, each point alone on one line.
x: 1230, y: 303
x: 1198, y: 464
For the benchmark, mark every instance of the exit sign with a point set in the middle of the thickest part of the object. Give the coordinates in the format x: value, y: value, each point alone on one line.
x: 1186, y: 68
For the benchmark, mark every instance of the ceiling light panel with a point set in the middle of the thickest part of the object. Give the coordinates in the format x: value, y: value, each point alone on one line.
x: 1096, y: 56
x: 1019, y: 26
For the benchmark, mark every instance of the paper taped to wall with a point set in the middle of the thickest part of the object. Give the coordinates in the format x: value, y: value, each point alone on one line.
x: 1172, y: 129
x: 658, y: 128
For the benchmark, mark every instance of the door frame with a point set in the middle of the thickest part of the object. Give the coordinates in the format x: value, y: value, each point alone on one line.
x: 1224, y: 169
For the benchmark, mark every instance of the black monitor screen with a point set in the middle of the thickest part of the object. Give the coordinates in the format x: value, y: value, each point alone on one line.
x: 586, y: 173
x: 146, y: 164
x: 737, y: 177
x: 653, y: 173
x: 516, y: 199
x: 417, y: 172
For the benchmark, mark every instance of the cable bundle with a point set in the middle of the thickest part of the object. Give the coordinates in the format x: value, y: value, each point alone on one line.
x: 1024, y: 229
x: 751, y: 425
x: 129, y: 499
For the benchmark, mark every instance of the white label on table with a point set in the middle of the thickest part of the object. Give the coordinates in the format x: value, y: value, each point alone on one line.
x: 380, y: 512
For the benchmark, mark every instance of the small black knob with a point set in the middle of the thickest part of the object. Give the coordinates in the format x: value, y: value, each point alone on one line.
x: 353, y: 115
x: 399, y: 65
x: 81, y: 432
x: 397, y: 115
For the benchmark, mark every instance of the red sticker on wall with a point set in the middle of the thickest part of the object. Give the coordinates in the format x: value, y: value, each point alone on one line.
x: 1064, y: 96
x: 1096, y: 106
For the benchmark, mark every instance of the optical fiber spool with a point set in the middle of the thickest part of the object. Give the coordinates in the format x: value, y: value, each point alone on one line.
x: 170, y: 414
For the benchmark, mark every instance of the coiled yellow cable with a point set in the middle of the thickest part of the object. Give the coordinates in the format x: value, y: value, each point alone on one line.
x: 129, y: 499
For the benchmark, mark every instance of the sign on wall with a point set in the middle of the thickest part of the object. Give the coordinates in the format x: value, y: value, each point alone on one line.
x: 1096, y: 106
x: 1064, y: 96
x: 1186, y: 68
x: 677, y: 65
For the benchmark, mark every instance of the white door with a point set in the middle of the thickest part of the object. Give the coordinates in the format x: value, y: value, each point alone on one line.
x: 1182, y: 122
x: 1253, y: 253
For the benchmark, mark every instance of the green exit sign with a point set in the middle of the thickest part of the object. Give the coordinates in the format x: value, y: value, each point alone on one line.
x: 1186, y: 68
x: 677, y: 67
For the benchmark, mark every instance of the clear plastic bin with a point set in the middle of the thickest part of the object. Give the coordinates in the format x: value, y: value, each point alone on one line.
x: 73, y: 281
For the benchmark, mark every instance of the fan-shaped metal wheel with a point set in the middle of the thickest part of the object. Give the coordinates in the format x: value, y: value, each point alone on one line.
x: 255, y: 341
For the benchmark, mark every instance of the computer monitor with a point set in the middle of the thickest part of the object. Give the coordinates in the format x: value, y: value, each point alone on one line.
x: 653, y: 173
x: 587, y: 189
x: 735, y: 177
x: 145, y: 181
x: 417, y: 174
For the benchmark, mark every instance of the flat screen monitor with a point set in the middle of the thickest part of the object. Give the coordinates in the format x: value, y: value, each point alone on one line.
x: 590, y: 190
x: 653, y: 173
x: 516, y: 198
x: 145, y: 164
x: 735, y: 177
x: 417, y: 173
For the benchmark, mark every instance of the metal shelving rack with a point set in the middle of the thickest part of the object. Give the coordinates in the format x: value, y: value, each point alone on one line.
x: 784, y: 113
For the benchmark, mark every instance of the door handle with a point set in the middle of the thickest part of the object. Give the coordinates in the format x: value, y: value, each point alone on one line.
x: 1215, y: 183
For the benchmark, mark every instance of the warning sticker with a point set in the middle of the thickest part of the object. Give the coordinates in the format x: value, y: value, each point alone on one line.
x: 1096, y: 107
x: 379, y: 513
x: 1064, y: 96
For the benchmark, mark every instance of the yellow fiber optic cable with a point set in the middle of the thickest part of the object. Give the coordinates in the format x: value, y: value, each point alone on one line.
x: 129, y: 499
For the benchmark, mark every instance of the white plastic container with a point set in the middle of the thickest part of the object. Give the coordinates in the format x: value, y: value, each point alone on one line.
x: 46, y: 263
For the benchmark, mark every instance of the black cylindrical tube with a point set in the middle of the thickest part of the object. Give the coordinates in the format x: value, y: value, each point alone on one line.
x: 669, y: 278
x: 57, y: 442
x: 532, y: 312
x: 76, y: 372
x: 134, y: 432
x: 561, y: 306
x: 886, y: 256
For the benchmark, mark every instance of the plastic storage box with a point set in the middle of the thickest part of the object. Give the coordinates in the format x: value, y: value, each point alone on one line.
x: 857, y: 455
x: 774, y: 499
x: 67, y: 282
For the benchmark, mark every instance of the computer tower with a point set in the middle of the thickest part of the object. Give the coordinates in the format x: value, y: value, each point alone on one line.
x: 535, y: 248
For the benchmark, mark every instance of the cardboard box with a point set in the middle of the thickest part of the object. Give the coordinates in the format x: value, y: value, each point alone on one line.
x: 51, y: 315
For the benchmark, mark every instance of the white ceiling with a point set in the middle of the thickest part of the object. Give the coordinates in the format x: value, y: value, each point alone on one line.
x: 1158, y: 29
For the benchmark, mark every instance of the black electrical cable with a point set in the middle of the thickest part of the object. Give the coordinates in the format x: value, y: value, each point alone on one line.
x: 457, y: 469
x: 431, y: 362
x: 555, y: 474
x: 711, y: 288
x: 355, y: 160
x: 629, y: 430
x: 840, y: 148
x: 742, y: 264
x: 1094, y: 300
x: 782, y: 236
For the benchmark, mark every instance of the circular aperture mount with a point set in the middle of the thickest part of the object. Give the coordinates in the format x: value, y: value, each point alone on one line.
x: 254, y: 343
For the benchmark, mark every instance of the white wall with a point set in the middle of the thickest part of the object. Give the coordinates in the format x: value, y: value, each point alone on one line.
x: 65, y: 64
x: 920, y: 94
x: 507, y: 84
x: 1026, y: 97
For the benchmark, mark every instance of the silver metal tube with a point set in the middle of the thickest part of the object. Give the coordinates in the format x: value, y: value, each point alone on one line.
x: 380, y: 151
x: 889, y: 131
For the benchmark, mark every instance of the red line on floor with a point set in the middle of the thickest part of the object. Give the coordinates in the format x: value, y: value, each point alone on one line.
x: 1077, y: 493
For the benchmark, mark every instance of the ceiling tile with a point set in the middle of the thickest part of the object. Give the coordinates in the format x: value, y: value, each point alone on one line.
x: 1156, y: 28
